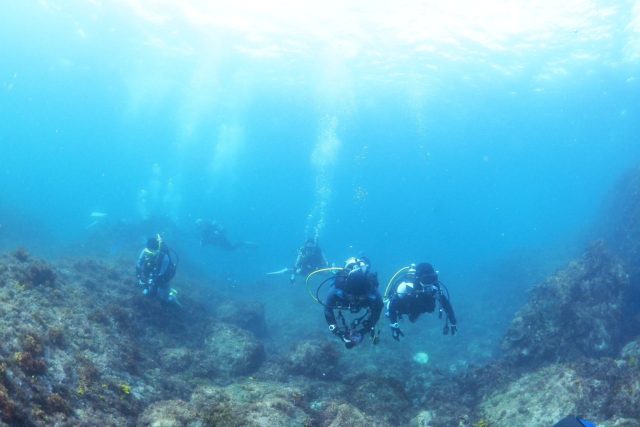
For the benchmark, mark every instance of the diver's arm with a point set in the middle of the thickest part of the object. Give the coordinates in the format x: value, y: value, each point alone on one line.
x: 448, y: 309
x: 140, y: 267
x: 298, y: 263
x: 329, y: 304
x: 164, y: 266
x: 325, y: 263
x: 393, y: 309
x: 375, y: 306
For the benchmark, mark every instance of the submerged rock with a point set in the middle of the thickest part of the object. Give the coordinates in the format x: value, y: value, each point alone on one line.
x: 631, y: 352
x: 176, y: 359
x: 314, y: 359
x: 238, y: 405
x: 537, y: 399
x: 247, y: 315
x: 382, y: 398
x: 578, y: 312
x: 169, y: 413
x: 345, y: 415
x: 231, y: 351
x: 620, y: 220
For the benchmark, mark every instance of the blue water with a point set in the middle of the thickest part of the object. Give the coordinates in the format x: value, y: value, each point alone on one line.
x: 481, y: 140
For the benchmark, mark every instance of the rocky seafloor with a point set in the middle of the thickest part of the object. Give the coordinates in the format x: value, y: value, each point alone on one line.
x: 80, y: 347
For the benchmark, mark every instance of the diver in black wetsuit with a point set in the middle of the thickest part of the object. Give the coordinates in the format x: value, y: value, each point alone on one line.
x: 155, y: 269
x: 213, y: 233
x: 310, y: 258
x: 417, y: 293
x: 355, y: 288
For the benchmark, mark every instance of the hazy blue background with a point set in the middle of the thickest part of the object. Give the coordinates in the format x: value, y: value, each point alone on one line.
x: 482, y: 138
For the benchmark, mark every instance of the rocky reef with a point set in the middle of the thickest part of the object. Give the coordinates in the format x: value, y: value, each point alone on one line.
x: 80, y: 346
x: 620, y: 227
x: 564, y: 352
x: 577, y: 312
x: 620, y: 223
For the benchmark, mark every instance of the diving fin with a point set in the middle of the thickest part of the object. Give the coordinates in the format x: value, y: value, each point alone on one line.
x: 283, y: 271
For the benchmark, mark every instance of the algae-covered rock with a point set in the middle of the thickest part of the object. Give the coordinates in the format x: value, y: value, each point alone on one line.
x: 576, y: 313
x: 232, y: 351
x: 251, y: 404
x: 215, y: 407
x: 383, y: 398
x: 537, y: 399
x: 176, y: 359
x: 314, y: 359
x: 622, y: 422
x: 169, y: 413
x: 339, y: 414
x: 620, y: 220
x: 275, y: 412
x: 247, y: 315
x: 631, y: 351
x: 423, y: 419
x: 623, y: 397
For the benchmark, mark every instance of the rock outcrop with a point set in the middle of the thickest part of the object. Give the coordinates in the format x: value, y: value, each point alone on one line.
x: 578, y: 312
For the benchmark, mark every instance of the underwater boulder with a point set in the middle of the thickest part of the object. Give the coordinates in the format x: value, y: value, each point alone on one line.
x: 275, y: 412
x: 340, y: 414
x: 621, y: 230
x: 620, y: 219
x: 215, y: 407
x: 631, y: 352
x: 314, y: 359
x: 169, y: 413
x: 381, y: 397
x: 595, y: 388
x: 247, y: 315
x: 27, y: 271
x: 578, y: 312
x: 623, y: 398
x: 176, y: 359
x: 232, y: 351
x: 537, y: 399
x: 251, y: 403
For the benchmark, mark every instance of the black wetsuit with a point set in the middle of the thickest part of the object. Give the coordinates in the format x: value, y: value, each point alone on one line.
x: 216, y: 235
x: 356, y: 292
x: 310, y: 259
x: 418, y: 300
x: 154, y: 271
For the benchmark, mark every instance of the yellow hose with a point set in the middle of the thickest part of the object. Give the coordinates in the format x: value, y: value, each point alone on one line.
x: 322, y: 270
x: 393, y: 279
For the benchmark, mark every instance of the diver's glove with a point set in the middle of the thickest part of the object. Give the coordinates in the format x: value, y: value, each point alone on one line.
x: 396, y: 332
x: 453, y: 328
x: 292, y: 278
x: 335, y: 331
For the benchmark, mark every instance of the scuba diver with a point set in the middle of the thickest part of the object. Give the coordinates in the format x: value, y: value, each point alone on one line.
x: 155, y: 269
x: 310, y: 258
x: 416, y: 293
x: 355, y: 288
x: 213, y: 233
x: 572, y: 421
